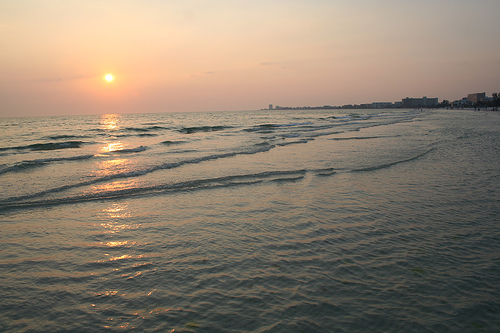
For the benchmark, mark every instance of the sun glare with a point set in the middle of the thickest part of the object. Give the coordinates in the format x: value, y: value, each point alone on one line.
x: 109, y: 77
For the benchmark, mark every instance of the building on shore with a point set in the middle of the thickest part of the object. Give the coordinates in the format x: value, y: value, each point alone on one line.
x: 476, y: 97
x: 461, y: 103
x: 423, y: 102
x: 382, y: 105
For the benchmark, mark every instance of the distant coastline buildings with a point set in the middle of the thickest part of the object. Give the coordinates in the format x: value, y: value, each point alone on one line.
x: 477, y: 100
x: 472, y: 100
x: 408, y: 102
x: 423, y: 102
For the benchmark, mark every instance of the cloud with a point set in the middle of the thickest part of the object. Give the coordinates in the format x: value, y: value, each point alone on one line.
x: 272, y: 64
x: 212, y: 73
x: 70, y: 78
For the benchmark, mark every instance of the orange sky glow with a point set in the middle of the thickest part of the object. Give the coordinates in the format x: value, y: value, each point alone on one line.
x: 194, y: 55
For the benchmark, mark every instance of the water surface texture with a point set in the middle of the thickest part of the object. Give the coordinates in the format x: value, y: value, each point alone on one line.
x: 262, y: 221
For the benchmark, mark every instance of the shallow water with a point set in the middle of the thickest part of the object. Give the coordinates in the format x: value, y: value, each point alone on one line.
x: 296, y: 221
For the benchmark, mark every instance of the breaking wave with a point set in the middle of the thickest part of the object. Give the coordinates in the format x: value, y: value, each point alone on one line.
x: 139, y: 172
x: 388, y: 165
x: 265, y: 127
x: 26, y: 165
x: 145, y: 129
x: 290, y: 132
x: 64, y: 136
x: 197, y: 129
x: 47, y: 146
x: 32, y: 201
x: 130, y: 150
x: 170, y: 143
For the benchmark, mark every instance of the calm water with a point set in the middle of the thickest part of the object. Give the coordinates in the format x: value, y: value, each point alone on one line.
x: 265, y: 221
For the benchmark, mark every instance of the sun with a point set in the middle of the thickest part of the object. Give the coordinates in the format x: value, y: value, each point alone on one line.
x: 109, y: 77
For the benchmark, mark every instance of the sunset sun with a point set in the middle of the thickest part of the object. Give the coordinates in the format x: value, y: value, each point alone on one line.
x: 109, y: 77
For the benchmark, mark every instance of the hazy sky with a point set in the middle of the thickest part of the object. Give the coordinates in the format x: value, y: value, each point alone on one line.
x: 197, y: 55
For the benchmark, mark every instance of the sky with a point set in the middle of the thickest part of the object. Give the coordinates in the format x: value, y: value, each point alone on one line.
x: 217, y: 55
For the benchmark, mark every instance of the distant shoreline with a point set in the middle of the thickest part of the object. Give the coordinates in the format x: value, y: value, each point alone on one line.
x: 489, y: 108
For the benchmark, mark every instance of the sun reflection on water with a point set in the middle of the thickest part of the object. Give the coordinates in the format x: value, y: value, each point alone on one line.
x: 111, y: 147
x: 108, y: 167
x: 114, y: 186
x: 116, y: 210
x: 110, y: 122
x: 116, y: 217
x: 115, y: 227
x: 117, y: 244
x: 120, y: 248
x: 125, y: 256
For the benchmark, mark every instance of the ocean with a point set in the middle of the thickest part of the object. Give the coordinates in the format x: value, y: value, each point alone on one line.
x: 251, y: 221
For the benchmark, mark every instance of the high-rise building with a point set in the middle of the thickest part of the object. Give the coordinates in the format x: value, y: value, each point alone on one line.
x: 476, y: 98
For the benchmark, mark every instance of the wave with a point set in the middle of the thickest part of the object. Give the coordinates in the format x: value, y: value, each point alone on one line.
x: 64, y: 136
x: 198, y: 184
x: 291, y: 135
x: 326, y: 125
x: 325, y: 172
x: 281, y: 176
x: 327, y: 118
x: 137, y: 173
x: 147, y: 134
x: 126, y: 132
x: 196, y: 129
x: 146, y: 129
x: 288, y: 179
x: 388, y: 165
x: 361, y: 138
x: 255, y: 149
x: 170, y: 143
x: 130, y: 150
x: 139, y: 135
x: 25, y: 165
x: 294, y: 142
x: 13, y: 201
x: 267, y: 127
x: 56, y: 145
x: 47, y: 146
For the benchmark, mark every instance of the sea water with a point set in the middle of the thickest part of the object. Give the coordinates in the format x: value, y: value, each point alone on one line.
x: 260, y: 221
